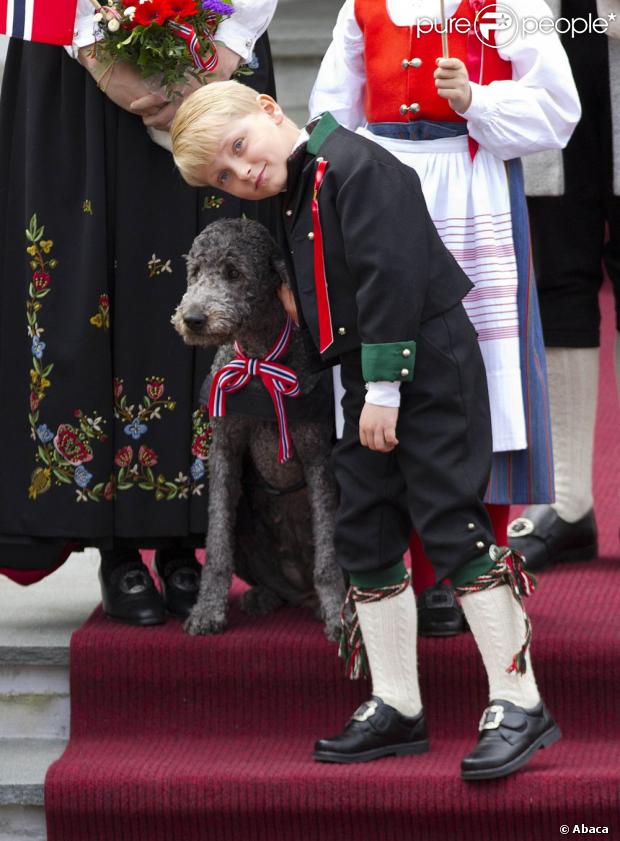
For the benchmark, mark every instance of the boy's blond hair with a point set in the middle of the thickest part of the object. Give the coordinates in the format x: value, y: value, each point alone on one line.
x: 197, y: 128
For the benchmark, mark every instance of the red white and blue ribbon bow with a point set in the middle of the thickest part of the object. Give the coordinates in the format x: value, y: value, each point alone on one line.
x: 279, y: 381
x: 188, y: 34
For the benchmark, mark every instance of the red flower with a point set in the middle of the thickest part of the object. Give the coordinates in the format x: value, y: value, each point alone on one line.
x: 108, y: 491
x: 124, y: 457
x: 41, y: 280
x: 70, y: 447
x: 34, y: 401
x: 77, y: 413
x: 182, y: 8
x: 200, y: 447
x: 147, y: 456
x: 104, y: 301
x: 118, y: 387
x: 155, y: 388
x: 152, y: 12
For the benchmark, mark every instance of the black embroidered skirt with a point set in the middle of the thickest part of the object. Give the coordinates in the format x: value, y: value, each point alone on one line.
x: 101, y: 426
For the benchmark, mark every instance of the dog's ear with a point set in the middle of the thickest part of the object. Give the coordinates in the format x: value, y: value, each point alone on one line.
x: 278, y: 264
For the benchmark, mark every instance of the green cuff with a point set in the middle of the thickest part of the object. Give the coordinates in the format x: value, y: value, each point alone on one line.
x: 470, y: 570
x: 392, y: 362
x: 379, y: 577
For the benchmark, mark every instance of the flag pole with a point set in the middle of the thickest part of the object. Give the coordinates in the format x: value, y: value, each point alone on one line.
x: 444, y: 30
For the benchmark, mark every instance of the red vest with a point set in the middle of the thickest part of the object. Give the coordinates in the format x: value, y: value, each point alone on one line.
x: 400, y: 65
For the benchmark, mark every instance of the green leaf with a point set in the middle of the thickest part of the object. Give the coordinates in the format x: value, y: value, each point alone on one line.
x: 98, y: 487
x: 61, y: 476
x: 36, y: 364
x: 44, y: 455
x: 150, y: 475
x: 145, y: 486
x: 124, y: 486
x: 48, y: 370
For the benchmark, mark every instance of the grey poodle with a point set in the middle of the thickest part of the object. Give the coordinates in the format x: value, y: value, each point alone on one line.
x: 234, y: 272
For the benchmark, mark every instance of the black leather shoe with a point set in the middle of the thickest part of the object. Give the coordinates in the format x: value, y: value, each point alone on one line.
x: 180, y: 582
x: 375, y: 730
x: 509, y: 736
x: 544, y: 538
x: 129, y: 595
x: 439, y: 613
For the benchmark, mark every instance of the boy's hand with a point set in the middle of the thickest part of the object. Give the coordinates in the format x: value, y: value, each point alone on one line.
x: 452, y: 83
x: 378, y: 427
x: 287, y: 300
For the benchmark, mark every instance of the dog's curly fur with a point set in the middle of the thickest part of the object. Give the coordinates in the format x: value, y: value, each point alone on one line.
x: 234, y: 271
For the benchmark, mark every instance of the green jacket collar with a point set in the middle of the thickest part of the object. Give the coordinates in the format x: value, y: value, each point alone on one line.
x: 327, y: 125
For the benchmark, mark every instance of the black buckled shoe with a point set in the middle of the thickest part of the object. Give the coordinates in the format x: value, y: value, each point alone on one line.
x: 180, y: 582
x: 439, y: 613
x: 509, y: 737
x: 130, y: 596
x: 375, y: 730
x: 544, y: 538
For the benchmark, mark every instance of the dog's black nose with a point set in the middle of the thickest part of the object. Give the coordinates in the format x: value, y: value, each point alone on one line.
x: 194, y: 320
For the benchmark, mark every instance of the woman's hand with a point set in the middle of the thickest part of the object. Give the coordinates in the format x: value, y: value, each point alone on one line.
x: 160, y: 116
x: 378, y: 428
x: 120, y: 81
x: 452, y: 83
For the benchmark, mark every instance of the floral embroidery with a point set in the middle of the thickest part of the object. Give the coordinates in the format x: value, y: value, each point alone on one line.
x: 87, y: 206
x: 102, y: 318
x: 212, y: 202
x: 61, y: 455
x: 157, y: 266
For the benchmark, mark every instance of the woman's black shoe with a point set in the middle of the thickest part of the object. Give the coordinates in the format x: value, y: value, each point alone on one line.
x: 130, y: 596
x: 375, y: 730
x: 180, y: 581
x: 544, y: 538
x: 439, y: 613
x: 509, y: 737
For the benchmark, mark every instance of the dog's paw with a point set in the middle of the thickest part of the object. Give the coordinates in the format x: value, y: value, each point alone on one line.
x: 259, y: 601
x: 199, y: 624
x: 332, y: 628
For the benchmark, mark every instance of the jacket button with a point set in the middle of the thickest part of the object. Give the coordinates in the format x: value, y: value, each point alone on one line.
x: 479, y: 545
x: 471, y: 526
x: 416, y: 62
x: 404, y: 64
x: 289, y: 212
x: 403, y: 109
x: 342, y: 331
x: 404, y: 372
x: 406, y: 352
x: 310, y: 235
x: 415, y: 107
x: 320, y: 160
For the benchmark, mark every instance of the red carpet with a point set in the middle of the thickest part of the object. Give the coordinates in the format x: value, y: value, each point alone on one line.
x: 183, y: 739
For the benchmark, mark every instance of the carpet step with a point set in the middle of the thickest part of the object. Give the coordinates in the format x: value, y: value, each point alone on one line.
x: 256, y: 788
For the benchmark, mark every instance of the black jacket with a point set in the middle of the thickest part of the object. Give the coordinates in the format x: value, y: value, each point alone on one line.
x: 387, y: 269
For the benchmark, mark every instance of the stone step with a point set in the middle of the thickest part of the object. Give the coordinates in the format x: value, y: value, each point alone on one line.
x: 34, y: 702
x: 23, y: 765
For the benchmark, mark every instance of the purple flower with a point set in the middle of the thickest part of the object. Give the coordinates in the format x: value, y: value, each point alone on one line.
x: 217, y: 7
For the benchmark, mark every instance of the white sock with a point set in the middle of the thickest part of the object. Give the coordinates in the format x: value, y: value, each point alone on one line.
x: 497, y: 623
x: 389, y: 628
x: 573, y: 391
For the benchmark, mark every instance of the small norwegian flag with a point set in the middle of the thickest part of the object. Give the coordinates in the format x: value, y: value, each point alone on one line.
x: 47, y: 21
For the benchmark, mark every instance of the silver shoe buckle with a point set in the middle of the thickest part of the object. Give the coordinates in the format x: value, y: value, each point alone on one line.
x: 491, y: 723
x: 365, y: 712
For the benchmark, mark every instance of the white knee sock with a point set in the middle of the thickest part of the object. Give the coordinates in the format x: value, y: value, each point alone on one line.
x: 389, y: 628
x: 573, y: 390
x: 497, y: 623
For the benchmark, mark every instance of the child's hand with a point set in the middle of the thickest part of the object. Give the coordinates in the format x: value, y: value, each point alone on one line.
x: 287, y: 299
x: 452, y: 83
x: 378, y: 427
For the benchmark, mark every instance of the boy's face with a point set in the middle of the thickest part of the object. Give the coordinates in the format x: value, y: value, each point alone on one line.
x: 251, y: 160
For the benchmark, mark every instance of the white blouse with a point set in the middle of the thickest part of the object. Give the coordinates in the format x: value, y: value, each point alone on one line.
x: 536, y: 110
x: 239, y: 32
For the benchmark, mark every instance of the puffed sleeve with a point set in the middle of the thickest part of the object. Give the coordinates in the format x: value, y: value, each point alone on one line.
x: 388, y: 252
x: 85, y: 30
x: 539, y: 108
x: 244, y: 27
x: 339, y: 86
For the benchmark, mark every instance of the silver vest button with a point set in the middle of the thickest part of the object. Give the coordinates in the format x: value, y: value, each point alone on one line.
x: 289, y: 212
x: 404, y: 372
x: 406, y: 352
x: 479, y: 545
x: 311, y: 235
x: 342, y: 331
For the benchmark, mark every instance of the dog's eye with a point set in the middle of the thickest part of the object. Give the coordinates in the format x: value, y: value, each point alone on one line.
x: 232, y: 273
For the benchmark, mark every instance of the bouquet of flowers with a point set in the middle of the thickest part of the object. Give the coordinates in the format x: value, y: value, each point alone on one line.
x: 166, y: 39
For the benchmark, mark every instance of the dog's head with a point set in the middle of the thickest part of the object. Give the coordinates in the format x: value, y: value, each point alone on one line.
x: 234, y: 271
